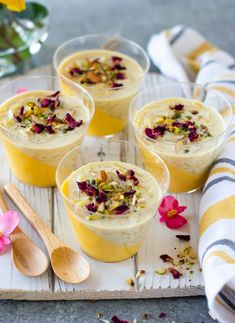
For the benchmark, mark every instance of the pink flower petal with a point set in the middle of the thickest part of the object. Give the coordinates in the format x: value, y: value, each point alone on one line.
x: 21, y: 90
x: 8, y: 222
x: 168, y: 203
x: 4, y: 242
x: 175, y: 222
x: 181, y: 209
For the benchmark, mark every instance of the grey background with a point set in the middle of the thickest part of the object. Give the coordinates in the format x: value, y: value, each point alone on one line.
x: 137, y: 20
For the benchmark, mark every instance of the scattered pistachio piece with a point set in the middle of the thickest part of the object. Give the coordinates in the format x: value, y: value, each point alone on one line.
x: 130, y: 282
x: 141, y: 272
x: 160, y: 271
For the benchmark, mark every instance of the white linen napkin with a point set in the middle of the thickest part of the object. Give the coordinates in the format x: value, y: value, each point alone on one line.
x: 182, y: 54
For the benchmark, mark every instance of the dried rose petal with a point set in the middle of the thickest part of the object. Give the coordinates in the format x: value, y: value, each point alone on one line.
x: 177, y: 124
x: 46, y: 102
x: 18, y: 118
x: 91, y: 190
x: 177, y: 107
x: 162, y: 315
x: 55, y: 94
x: 102, y: 197
x: 175, y: 273
x: 129, y: 193
x: 72, y: 122
x: 116, y: 85
x: 120, y: 76
x: 75, y: 71
x: 150, y: 133
x: 51, y: 119
x: 115, y: 319
x: 184, y: 237
x: 193, y: 135
x: 21, y: 112
x: 37, y: 128
x: 121, y: 209
x: 82, y: 186
x: 159, y: 131
x: 49, y: 129
x: 116, y: 59
x: 118, y: 67
x: 91, y: 207
x: 166, y: 258
x: 131, y: 175
x: 154, y: 133
x: 122, y: 177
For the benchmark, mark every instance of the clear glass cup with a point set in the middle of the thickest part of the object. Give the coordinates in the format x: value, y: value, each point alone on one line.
x: 109, y: 240
x: 111, y: 104
x: 188, y: 169
x: 34, y: 162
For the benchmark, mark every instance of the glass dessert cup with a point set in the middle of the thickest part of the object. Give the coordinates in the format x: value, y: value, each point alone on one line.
x: 111, y: 104
x: 34, y: 161
x: 114, y: 238
x: 188, y: 166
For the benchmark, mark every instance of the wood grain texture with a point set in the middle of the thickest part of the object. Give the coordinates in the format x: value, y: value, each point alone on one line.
x: 107, y: 281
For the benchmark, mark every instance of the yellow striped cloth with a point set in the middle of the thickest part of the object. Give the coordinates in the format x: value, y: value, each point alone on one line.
x: 183, y: 54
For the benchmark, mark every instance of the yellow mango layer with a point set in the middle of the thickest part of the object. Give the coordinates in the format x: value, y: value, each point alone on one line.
x: 27, y: 169
x: 99, y: 248
x: 104, y: 124
x: 180, y: 180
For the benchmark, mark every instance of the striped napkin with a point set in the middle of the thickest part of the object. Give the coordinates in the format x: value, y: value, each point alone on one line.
x: 183, y: 54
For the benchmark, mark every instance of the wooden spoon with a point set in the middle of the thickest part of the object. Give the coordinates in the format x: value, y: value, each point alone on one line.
x: 26, y: 256
x: 67, y: 264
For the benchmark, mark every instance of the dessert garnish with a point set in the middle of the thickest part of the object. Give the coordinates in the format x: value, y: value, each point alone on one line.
x: 130, y: 282
x: 175, y: 273
x: 109, y: 71
x: 170, y: 212
x: 184, y: 237
x: 140, y: 273
x: 110, y: 193
x: 40, y: 115
x: 180, y: 123
x: 184, y: 261
x: 115, y: 319
x: 162, y: 315
x: 166, y: 258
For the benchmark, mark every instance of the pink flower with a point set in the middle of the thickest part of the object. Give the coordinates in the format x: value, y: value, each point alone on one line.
x: 21, y: 90
x: 8, y: 223
x: 170, y: 210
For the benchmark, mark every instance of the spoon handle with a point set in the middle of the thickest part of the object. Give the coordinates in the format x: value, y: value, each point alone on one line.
x: 50, y: 240
x: 3, y: 204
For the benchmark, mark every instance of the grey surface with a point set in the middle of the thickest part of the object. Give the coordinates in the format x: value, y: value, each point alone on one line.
x: 135, y: 19
x: 179, y: 310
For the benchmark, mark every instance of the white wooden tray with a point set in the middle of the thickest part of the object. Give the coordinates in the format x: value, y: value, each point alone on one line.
x: 107, y: 281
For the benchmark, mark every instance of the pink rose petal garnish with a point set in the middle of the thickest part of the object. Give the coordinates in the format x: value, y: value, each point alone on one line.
x: 8, y: 223
x: 169, y: 211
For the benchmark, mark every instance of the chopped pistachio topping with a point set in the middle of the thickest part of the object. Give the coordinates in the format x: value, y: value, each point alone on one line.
x: 160, y: 271
x: 39, y: 116
x: 108, y: 193
x: 187, y: 125
x: 109, y: 71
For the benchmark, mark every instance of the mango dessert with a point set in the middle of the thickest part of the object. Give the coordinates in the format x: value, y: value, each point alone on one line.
x: 184, y: 132
x: 37, y: 128
x: 112, y: 78
x: 113, y: 204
